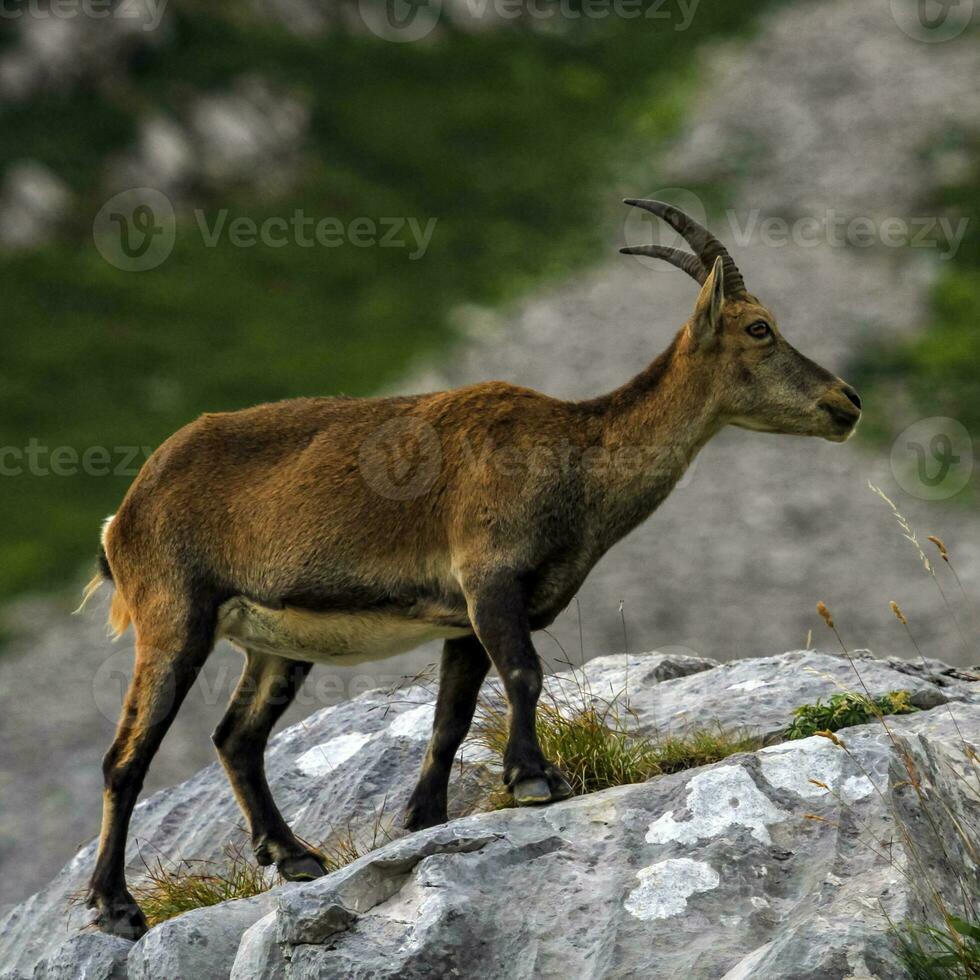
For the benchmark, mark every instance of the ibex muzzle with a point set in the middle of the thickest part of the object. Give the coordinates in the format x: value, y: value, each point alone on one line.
x: 266, y: 527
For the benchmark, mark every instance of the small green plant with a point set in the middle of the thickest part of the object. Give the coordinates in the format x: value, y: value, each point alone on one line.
x: 846, y: 709
x: 941, y: 954
x: 596, y: 749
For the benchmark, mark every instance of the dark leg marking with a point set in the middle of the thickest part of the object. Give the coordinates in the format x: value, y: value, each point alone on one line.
x: 464, y: 666
x: 160, y: 682
x: 500, y: 618
x: 267, y: 687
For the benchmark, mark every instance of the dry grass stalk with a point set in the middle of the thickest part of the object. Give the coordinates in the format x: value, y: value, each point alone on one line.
x: 345, y: 848
x: 825, y: 614
x: 952, y: 938
x: 908, y: 532
x: 944, y: 554
x: 896, y: 609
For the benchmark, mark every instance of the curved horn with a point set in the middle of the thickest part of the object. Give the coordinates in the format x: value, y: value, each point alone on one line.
x: 687, y: 261
x: 700, y: 239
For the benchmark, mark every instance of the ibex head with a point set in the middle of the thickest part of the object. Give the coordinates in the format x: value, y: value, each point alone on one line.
x: 760, y: 380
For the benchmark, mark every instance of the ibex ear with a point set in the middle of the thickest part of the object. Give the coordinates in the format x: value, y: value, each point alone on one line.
x: 706, y: 323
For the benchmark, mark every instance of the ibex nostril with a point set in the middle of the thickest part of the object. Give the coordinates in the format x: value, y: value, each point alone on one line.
x: 852, y: 396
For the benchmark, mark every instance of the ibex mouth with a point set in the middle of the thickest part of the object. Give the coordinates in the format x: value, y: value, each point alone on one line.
x: 845, y: 420
x: 841, y: 415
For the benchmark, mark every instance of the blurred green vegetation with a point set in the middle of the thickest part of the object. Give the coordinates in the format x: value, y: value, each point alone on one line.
x: 937, y: 371
x: 519, y: 142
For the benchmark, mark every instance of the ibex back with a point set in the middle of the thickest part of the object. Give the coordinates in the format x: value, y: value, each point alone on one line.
x: 331, y: 530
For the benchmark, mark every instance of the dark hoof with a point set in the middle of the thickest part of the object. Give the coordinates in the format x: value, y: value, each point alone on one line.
x: 301, y: 867
x: 120, y: 917
x: 549, y: 787
x: 419, y: 819
x: 532, y: 792
x: 561, y: 788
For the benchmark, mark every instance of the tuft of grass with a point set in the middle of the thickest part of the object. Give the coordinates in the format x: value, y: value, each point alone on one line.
x: 846, y: 709
x: 345, y: 848
x: 941, y: 954
x: 700, y: 748
x: 594, y: 746
x: 170, y: 888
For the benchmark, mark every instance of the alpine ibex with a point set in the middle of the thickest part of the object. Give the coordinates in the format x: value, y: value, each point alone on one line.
x: 279, y: 528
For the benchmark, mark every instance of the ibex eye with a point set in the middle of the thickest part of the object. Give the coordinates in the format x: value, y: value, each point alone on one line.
x: 760, y: 329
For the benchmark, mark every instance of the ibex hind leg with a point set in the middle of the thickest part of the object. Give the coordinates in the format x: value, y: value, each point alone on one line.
x: 168, y: 660
x: 267, y: 687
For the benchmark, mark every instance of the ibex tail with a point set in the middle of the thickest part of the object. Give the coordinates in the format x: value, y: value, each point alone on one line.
x: 119, y: 617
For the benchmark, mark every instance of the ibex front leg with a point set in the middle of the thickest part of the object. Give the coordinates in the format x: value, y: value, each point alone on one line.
x: 499, y: 616
x: 464, y: 665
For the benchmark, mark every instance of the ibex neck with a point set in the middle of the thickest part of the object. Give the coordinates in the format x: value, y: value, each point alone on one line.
x: 651, y: 429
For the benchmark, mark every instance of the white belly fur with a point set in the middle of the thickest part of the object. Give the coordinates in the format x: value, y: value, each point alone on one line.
x: 328, y: 637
